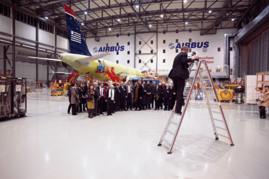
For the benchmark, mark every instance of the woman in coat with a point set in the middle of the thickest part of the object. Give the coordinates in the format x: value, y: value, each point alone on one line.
x: 74, y: 99
x: 136, y: 98
x: 90, y: 100
x: 157, y: 96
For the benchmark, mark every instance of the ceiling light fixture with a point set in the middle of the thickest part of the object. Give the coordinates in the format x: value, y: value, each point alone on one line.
x: 46, y: 17
x: 233, y: 19
x: 118, y: 20
x: 185, y: 1
x: 161, y: 15
x: 109, y: 28
x: 150, y: 25
x: 85, y: 12
x: 210, y: 12
x: 186, y: 22
x: 137, y: 6
x: 82, y: 23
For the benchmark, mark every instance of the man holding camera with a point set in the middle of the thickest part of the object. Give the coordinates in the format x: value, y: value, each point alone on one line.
x: 179, y: 74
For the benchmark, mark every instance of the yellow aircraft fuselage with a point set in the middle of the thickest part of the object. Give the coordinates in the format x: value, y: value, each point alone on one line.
x: 121, y: 70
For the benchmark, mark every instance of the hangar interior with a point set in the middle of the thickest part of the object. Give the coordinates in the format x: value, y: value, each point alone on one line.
x: 232, y: 36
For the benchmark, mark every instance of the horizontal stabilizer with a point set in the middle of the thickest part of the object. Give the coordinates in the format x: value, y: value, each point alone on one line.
x: 129, y: 77
x: 87, y: 61
x: 43, y: 58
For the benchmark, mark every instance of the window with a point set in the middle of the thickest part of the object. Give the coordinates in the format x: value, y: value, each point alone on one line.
x: 190, y: 30
x: 218, y: 69
x: 163, y: 41
x: 151, y: 61
x: 189, y: 49
x: 117, y: 43
x: 190, y: 40
x: 117, y: 61
x: 106, y: 44
x: 209, y: 69
x: 128, y: 52
x: 5, y: 10
x: 128, y: 61
x: 151, y: 42
x: 139, y: 51
x: 128, y: 43
x: 177, y: 31
x: 163, y: 50
x: 163, y: 60
x: 117, y: 53
x: 164, y: 32
x: 151, y: 51
x: 140, y: 42
x: 231, y: 48
x: 139, y: 61
x: 118, y: 35
x: 177, y: 50
x: 62, y: 33
x: 218, y: 49
x: 128, y: 34
x: 176, y: 40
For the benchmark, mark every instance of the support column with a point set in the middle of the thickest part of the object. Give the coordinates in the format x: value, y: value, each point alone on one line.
x: 135, y: 46
x: 13, y: 43
x: 4, y: 60
x: 36, y: 49
x: 55, y: 47
x: 157, y: 43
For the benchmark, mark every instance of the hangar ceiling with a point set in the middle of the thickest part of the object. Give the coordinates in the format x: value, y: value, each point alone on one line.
x: 100, y: 18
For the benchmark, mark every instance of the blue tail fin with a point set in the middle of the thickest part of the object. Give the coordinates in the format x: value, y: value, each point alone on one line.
x: 76, y: 41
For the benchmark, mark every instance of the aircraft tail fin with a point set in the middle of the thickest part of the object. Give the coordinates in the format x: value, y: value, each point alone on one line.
x: 77, y: 42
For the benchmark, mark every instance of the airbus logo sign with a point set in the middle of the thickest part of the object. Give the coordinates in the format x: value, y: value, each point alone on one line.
x: 171, y: 45
x: 189, y: 45
x: 95, y: 49
x: 108, y: 49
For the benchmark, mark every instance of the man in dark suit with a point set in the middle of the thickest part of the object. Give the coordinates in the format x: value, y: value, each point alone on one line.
x: 110, y: 99
x: 123, y: 96
x: 129, y: 92
x: 179, y: 74
x: 96, y: 99
x: 117, y: 97
x: 101, y: 98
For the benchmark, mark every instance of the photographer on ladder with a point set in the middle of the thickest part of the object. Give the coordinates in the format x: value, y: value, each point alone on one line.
x: 179, y: 74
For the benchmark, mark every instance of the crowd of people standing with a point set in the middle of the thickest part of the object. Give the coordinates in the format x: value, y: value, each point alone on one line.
x: 97, y: 98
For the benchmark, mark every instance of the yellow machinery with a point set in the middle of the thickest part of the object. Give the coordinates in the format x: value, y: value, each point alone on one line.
x: 57, y: 92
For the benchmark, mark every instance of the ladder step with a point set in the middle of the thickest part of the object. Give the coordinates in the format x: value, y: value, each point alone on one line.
x: 216, y: 112
x: 223, y: 136
x: 165, y: 140
x: 214, y: 104
x: 167, y: 130
x: 172, y: 122
x: 220, y: 127
x: 217, y: 120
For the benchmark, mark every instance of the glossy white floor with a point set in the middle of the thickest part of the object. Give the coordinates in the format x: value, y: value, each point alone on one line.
x: 49, y: 143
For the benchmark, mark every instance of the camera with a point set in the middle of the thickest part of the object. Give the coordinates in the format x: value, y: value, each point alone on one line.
x: 194, y: 53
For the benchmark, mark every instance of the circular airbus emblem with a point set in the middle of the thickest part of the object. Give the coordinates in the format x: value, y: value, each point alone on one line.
x: 171, y: 45
x: 95, y: 49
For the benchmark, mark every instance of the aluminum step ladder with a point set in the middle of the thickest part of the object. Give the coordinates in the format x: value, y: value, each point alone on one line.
x: 216, y: 116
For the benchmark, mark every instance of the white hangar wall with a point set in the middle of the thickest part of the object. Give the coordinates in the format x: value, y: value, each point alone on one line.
x: 214, y: 57
x: 25, y: 69
x: 122, y: 56
x: 150, y: 55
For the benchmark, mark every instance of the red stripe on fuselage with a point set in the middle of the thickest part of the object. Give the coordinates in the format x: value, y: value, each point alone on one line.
x: 69, y: 10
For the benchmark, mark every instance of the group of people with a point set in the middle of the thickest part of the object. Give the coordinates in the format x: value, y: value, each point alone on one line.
x: 97, y: 98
